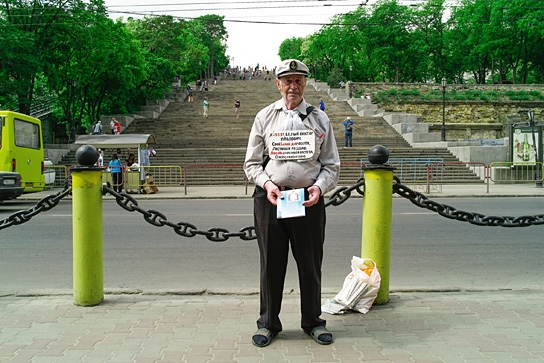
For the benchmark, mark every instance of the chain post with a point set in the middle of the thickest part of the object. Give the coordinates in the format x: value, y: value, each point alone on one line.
x: 377, y: 216
x: 87, y: 229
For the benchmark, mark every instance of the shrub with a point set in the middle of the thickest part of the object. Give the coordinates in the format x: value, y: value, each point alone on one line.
x: 536, y: 94
x: 392, y: 92
x: 518, y: 95
x: 409, y: 92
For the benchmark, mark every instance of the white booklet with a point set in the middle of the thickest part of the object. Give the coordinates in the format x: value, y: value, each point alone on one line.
x: 291, y: 204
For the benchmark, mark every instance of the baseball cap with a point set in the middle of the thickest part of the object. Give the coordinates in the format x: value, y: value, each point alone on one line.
x: 291, y: 67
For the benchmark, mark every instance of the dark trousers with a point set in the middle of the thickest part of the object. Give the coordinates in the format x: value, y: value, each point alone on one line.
x: 306, y: 236
x: 349, y: 138
x: 117, y: 181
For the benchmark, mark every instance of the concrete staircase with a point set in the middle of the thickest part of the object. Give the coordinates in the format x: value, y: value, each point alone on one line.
x: 185, y: 137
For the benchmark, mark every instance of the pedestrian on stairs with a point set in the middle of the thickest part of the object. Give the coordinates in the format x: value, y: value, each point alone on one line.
x: 317, y: 173
x: 205, y: 105
x: 348, y: 131
x: 321, y: 104
x: 189, y: 94
x: 237, y: 107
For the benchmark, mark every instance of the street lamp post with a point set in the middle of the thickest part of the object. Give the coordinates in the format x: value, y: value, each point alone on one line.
x: 350, y: 83
x: 443, y: 130
x: 72, y: 123
x: 538, y: 168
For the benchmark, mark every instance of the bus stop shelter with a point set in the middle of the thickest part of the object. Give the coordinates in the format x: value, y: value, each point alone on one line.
x: 117, y: 141
x: 121, y: 141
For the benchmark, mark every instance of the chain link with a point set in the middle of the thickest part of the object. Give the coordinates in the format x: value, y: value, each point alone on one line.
x: 342, y: 194
x: 473, y: 218
x: 43, y: 205
x: 215, y: 234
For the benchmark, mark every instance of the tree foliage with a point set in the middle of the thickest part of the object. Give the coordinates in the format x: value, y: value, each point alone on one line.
x: 480, y: 41
x: 69, y: 53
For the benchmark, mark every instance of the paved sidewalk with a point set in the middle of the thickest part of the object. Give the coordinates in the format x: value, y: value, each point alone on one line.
x: 417, y: 326
x: 412, y: 327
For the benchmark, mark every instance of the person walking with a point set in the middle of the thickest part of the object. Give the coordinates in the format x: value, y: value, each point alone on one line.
x: 205, y: 105
x: 190, y: 95
x: 348, y: 131
x: 112, y: 126
x: 237, y: 107
x: 321, y: 104
x: 100, y: 161
x: 116, y: 169
x: 317, y: 172
x: 116, y: 127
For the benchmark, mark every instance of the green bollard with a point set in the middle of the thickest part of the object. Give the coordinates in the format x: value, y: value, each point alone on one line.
x: 377, y: 216
x: 87, y: 229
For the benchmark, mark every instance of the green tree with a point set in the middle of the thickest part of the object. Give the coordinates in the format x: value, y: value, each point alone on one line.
x: 17, y: 68
x: 291, y: 48
x: 32, y: 23
x: 93, y: 67
x: 214, y: 37
x: 163, y: 39
x: 390, y: 37
x: 429, y: 41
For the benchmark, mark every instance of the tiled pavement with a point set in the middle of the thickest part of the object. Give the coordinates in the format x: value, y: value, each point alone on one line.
x: 493, y: 326
x: 485, y: 326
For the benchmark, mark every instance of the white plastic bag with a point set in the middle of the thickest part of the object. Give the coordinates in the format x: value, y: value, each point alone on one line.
x: 374, y: 280
x: 359, y: 291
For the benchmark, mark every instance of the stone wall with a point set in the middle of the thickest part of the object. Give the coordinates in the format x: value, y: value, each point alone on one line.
x: 463, y: 119
x: 469, y: 119
x: 369, y: 88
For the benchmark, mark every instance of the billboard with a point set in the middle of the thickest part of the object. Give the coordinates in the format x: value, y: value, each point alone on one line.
x: 523, y: 147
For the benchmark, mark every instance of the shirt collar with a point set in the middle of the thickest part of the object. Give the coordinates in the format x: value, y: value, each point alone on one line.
x: 301, y: 108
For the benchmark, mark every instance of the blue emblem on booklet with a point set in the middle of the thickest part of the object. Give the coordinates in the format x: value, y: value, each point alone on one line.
x: 291, y: 204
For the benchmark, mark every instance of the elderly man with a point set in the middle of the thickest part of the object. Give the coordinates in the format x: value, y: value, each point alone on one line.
x: 311, y: 163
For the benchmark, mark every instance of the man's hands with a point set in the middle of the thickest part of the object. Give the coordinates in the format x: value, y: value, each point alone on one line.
x: 273, y: 193
x: 314, y: 193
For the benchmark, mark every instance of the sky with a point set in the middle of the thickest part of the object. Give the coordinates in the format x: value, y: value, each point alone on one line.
x: 255, y: 28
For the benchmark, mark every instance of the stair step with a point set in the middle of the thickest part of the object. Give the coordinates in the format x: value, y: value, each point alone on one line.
x: 185, y: 137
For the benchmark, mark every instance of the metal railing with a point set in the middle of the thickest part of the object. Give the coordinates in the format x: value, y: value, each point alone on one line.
x: 411, y: 170
x: 136, y: 178
x: 58, y: 175
x: 426, y: 173
x: 351, y: 171
x: 515, y: 172
x: 456, y: 172
x: 214, y: 174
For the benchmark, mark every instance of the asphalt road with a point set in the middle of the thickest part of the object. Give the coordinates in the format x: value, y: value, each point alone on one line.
x: 429, y: 252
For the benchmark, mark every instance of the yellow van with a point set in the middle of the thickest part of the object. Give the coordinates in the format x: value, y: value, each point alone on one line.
x: 21, y: 149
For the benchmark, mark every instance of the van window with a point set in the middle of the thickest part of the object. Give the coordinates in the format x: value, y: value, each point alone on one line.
x: 27, y: 134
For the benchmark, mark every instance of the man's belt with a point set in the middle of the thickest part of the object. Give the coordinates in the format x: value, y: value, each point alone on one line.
x: 286, y: 188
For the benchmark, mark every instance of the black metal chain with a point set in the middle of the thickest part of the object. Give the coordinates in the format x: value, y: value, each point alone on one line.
x: 342, y: 194
x: 43, y: 205
x: 473, y: 218
x: 216, y: 234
